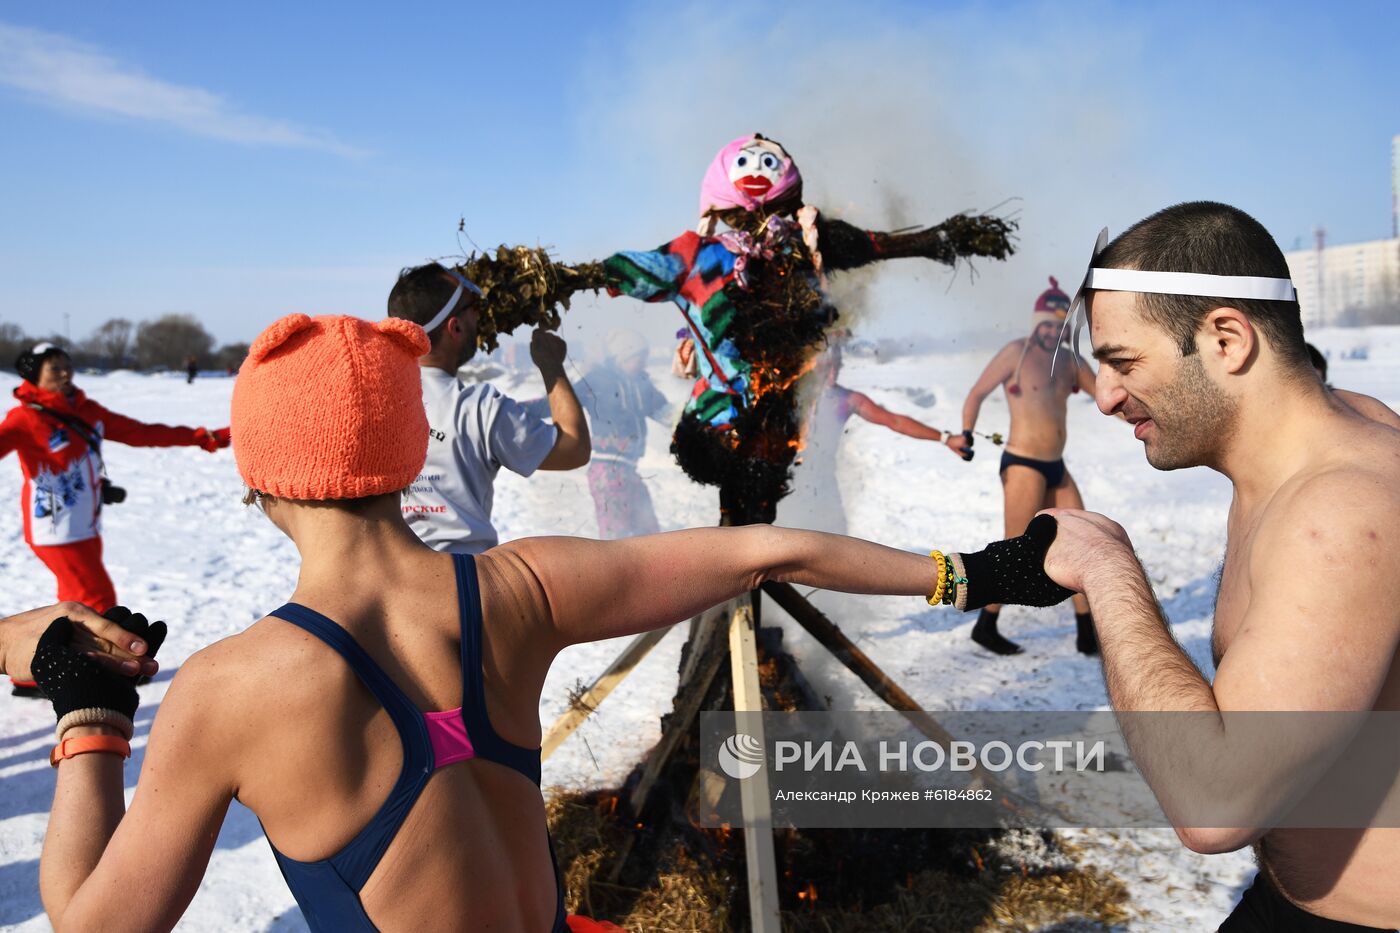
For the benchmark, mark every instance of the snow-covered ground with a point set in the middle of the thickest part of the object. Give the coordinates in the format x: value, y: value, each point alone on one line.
x: 182, y: 548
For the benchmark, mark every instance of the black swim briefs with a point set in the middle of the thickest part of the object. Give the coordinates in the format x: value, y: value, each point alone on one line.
x: 1052, y: 470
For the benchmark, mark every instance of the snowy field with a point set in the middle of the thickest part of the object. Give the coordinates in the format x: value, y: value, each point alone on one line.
x: 183, y: 549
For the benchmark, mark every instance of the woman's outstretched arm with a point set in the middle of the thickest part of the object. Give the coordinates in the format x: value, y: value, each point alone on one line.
x: 601, y: 589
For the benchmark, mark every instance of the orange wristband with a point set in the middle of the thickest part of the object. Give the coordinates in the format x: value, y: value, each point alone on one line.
x: 114, y: 744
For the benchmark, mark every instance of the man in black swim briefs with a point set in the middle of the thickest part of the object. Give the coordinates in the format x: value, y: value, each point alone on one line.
x: 1033, y: 473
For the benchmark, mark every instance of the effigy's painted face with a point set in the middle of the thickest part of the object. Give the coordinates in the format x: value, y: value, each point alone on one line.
x: 757, y: 168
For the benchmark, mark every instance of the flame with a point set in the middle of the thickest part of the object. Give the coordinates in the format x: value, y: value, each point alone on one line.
x: 977, y: 858
x: 808, y: 894
x: 767, y: 378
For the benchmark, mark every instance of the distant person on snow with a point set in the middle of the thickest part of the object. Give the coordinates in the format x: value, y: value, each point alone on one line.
x: 816, y: 502
x: 191, y: 369
x: 619, y: 397
x: 1033, y: 471
x: 58, y: 433
x: 1372, y: 408
x: 474, y: 430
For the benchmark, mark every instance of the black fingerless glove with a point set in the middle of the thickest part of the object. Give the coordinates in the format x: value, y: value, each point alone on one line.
x: 80, y: 687
x: 1013, y: 571
x: 152, y: 633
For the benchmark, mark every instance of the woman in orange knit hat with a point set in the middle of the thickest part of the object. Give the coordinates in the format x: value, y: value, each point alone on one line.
x: 384, y: 723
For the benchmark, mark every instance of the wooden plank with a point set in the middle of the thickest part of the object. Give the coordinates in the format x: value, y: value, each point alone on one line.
x: 585, y: 703
x: 703, y: 661
x: 754, y: 796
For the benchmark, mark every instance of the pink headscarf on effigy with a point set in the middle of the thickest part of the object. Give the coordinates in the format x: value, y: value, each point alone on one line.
x: 718, y: 192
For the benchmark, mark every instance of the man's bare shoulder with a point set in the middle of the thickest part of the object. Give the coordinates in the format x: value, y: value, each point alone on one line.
x: 1004, y: 360
x: 1372, y: 408
x: 1348, y: 505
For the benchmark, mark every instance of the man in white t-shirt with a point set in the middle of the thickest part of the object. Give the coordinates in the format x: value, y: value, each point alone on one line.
x: 474, y: 430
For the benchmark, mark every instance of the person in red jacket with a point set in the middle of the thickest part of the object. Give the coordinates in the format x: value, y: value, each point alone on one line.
x: 58, y: 433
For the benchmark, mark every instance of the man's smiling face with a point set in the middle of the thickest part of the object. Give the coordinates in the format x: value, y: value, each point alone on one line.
x: 1177, y: 410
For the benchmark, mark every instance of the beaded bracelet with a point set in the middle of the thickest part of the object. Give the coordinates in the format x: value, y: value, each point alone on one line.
x: 955, y: 581
x: 958, y: 592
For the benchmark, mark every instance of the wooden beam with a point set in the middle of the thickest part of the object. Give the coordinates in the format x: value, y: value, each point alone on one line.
x: 583, y: 705
x: 834, y: 640
x: 754, y: 797
x: 704, y: 658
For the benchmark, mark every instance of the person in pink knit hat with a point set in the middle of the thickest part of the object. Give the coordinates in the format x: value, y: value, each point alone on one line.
x: 383, y: 724
x: 1033, y: 471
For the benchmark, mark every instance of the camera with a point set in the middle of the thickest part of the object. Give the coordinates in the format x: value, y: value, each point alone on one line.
x: 112, y: 494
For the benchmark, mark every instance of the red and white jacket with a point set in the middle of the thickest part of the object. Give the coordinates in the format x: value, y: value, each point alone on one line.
x: 62, y: 500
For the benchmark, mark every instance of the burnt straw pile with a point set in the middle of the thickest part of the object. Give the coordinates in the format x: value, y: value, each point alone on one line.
x: 656, y: 870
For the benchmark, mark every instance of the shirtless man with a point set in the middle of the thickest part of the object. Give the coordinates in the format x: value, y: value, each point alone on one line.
x: 1308, y: 612
x: 1033, y: 473
x: 1372, y: 408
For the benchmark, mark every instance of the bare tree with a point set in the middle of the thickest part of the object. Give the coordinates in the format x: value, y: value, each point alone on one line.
x: 170, y: 340
x: 231, y: 356
x: 13, y: 342
x: 111, y: 341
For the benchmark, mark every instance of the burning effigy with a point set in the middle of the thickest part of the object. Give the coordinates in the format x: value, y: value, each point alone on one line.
x: 750, y: 282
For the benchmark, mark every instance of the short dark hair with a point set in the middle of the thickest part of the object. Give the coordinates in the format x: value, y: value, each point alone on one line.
x: 1209, y: 238
x: 420, y: 293
x: 1319, y: 362
x: 30, y: 364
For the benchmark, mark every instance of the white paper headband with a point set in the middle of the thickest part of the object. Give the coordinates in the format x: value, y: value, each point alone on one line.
x: 1191, y: 283
x: 1257, y: 288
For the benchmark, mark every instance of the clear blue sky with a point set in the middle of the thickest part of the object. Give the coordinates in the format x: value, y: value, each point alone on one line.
x: 241, y: 161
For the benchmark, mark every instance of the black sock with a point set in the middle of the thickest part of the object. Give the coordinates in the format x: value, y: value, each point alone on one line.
x: 1087, y: 641
x: 985, y: 634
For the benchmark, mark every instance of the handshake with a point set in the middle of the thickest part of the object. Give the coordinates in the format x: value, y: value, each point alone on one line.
x: 85, y: 691
x: 1011, y: 571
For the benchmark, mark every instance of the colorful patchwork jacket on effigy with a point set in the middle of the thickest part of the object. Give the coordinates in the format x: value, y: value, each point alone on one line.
x: 692, y: 271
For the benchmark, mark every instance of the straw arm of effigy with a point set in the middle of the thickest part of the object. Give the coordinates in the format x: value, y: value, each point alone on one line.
x: 523, y: 286
x: 846, y: 246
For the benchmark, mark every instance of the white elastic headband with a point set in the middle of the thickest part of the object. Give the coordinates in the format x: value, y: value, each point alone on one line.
x: 41, y: 348
x: 462, y: 283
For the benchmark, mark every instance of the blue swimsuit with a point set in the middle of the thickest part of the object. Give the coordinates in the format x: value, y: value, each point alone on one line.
x: 328, y: 891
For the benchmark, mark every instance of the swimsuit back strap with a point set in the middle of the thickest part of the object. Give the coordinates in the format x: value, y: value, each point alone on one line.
x: 357, y: 861
x: 487, y: 743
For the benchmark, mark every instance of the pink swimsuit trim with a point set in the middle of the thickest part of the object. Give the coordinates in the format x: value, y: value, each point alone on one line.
x: 448, y: 733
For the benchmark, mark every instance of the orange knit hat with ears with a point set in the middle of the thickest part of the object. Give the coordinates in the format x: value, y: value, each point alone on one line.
x: 331, y: 407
